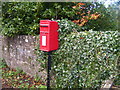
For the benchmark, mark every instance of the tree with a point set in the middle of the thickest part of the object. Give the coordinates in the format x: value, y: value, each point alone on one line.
x: 94, y: 16
x: 23, y: 17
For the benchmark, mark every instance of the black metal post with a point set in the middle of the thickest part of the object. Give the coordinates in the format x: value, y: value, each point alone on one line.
x: 49, y: 68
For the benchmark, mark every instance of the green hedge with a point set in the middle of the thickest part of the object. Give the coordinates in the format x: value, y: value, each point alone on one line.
x: 84, y: 59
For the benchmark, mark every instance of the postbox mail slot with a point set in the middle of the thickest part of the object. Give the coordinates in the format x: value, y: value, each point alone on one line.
x: 44, y: 26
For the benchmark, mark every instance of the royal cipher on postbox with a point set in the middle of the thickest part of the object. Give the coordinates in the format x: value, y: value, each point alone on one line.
x: 48, y: 35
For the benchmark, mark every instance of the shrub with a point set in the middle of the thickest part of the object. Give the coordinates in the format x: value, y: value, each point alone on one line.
x: 66, y: 27
x: 85, y: 59
x: 22, y: 18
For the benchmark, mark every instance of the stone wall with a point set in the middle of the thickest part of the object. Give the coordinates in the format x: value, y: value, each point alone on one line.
x: 18, y: 52
x: 0, y: 46
x: 0, y: 62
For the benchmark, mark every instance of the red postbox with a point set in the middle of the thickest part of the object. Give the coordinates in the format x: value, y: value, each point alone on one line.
x: 48, y: 35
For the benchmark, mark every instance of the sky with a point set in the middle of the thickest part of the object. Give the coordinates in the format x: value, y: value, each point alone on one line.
x: 108, y: 2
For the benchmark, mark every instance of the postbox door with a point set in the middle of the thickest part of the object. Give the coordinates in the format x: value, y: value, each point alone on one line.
x: 44, y: 41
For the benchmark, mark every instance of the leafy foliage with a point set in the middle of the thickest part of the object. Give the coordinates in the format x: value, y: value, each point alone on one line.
x: 85, y: 59
x: 16, y: 78
x: 19, y: 18
x: 117, y: 81
x: 2, y: 63
x: 23, y: 17
x: 95, y: 16
x: 57, y: 10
